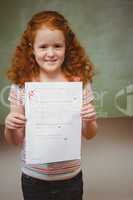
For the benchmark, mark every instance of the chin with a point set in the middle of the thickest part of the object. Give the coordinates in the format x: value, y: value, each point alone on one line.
x: 50, y: 69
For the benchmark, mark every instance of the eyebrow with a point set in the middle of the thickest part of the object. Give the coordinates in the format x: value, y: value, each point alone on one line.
x: 56, y: 43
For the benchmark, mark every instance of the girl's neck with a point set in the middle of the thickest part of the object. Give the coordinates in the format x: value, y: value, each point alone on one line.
x: 51, y: 77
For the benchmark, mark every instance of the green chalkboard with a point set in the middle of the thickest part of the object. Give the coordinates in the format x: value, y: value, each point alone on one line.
x: 104, y: 28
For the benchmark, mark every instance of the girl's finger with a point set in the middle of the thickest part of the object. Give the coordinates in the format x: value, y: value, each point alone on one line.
x: 17, y: 121
x: 14, y: 125
x: 10, y: 127
x: 89, y: 115
x: 87, y: 106
x: 87, y: 111
x: 19, y: 116
x: 89, y: 119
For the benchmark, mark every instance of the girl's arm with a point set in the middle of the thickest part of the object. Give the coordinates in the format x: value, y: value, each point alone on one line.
x: 89, y: 124
x: 15, y: 125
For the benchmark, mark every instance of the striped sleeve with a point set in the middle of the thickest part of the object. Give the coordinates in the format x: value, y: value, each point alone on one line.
x: 16, y: 95
x: 87, y: 94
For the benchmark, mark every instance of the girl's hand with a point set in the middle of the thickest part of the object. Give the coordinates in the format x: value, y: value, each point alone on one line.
x: 15, y: 120
x: 88, y: 112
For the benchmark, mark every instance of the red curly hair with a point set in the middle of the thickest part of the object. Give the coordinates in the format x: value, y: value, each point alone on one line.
x: 24, y: 66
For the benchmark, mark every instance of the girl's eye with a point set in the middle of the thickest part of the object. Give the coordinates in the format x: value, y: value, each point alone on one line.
x: 58, y: 46
x: 43, y: 47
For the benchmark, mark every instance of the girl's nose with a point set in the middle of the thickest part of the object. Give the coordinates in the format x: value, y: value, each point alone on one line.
x: 50, y: 52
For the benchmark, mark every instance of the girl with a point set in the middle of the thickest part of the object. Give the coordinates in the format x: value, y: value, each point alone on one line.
x: 49, y: 51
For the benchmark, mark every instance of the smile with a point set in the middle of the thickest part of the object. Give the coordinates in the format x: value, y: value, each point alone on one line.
x: 50, y: 60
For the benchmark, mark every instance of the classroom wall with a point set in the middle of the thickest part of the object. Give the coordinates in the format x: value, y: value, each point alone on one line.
x: 104, y: 28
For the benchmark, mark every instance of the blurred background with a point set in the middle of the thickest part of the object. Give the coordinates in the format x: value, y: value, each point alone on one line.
x: 105, y: 29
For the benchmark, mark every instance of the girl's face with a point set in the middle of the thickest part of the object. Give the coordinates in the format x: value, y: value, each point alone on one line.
x: 49, y: 49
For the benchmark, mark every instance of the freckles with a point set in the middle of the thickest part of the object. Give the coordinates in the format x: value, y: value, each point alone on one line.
x: 40, y: 56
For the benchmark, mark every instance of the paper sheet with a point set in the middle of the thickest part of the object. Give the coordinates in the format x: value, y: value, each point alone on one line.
x: 53, y: 128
